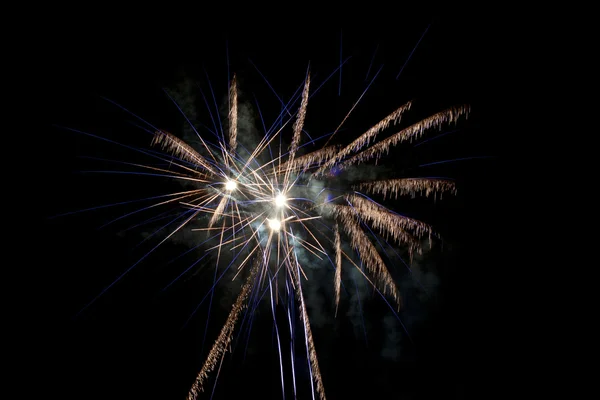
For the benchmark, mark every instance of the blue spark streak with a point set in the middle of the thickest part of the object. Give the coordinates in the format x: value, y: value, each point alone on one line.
x: 411, y: 53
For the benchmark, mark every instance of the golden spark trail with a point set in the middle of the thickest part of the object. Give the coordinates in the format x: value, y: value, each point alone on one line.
x: 388, y: 223
x: 408, y: 186
x: 224, y: 339
x: 181, y: 149
x: 338, y: 267
x: 299, y: 124
x: 241, y: 266
x: 297, y: 127
x: 305, y: 161
x: 310, y: 344
x: 368, y: 253
x: 366, y: 137
x: 233, y: 115
x: 414, y: 131
x: 218, y: 212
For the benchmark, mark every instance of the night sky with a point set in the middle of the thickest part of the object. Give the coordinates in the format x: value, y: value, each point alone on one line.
x: 130, y: 344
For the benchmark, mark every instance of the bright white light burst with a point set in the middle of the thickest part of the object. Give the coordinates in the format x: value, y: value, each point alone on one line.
x: 230, y: 186
x: 280, y: 200
x: 274, y: 224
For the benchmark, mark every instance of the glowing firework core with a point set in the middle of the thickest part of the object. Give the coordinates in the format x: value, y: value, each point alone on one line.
x: 230, y: 186
x: 274, y: 224
x: 280, y: 200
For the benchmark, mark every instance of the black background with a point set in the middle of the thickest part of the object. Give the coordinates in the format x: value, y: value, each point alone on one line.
x: 129, y: 344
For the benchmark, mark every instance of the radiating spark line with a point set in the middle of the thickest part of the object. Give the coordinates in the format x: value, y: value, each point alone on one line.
x: 149, y: 207
x: 338, y: 267
x: 284, y: 106
x: 217, y: 377
x: 354, y: 105
x: 455, y: 159
x: 212, y: 118
x: 194, y: 129
x: 183, y: 178
x: 413, y: 50
x: 117, y: 204
x: 310, y: 345
x: 150, y: 220
x: 212, y: 92
x: 149, y: 167
x: 134, y: 265
x: 278, y: 340
x: 435, y: 137
x: 371, y: 63
x: 224, y: 339
x: 110, y: 141
x: 129, y: 112
x: 340, y: 85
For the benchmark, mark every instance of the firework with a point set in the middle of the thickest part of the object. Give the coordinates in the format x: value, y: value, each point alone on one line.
x: 263, y: 207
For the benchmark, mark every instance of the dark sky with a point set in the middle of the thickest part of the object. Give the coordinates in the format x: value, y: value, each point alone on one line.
x: 129, y: 344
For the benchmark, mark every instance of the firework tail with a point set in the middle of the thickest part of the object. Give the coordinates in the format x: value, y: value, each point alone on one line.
x: 223, y: 341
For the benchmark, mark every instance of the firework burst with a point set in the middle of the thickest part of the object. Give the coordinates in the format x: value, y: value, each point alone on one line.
x: 266, y: 211
x: 265, y: 205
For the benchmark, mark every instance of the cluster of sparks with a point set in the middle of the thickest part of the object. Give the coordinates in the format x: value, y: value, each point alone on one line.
x: 263, y: 208
x: 262, y: 212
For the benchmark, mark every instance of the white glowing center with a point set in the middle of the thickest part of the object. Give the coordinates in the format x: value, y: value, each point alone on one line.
x: 274, y: 224
x: 280, y: 200
x: 230, y: 185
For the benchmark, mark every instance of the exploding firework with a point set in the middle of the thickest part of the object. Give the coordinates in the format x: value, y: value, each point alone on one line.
x: 264, y: 206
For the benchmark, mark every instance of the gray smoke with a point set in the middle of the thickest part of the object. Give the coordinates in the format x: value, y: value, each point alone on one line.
x: 185, y: 95
x: 390, y: 347
x: 418, y: 289
x: 359, y: 173
x: 358, y: 289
